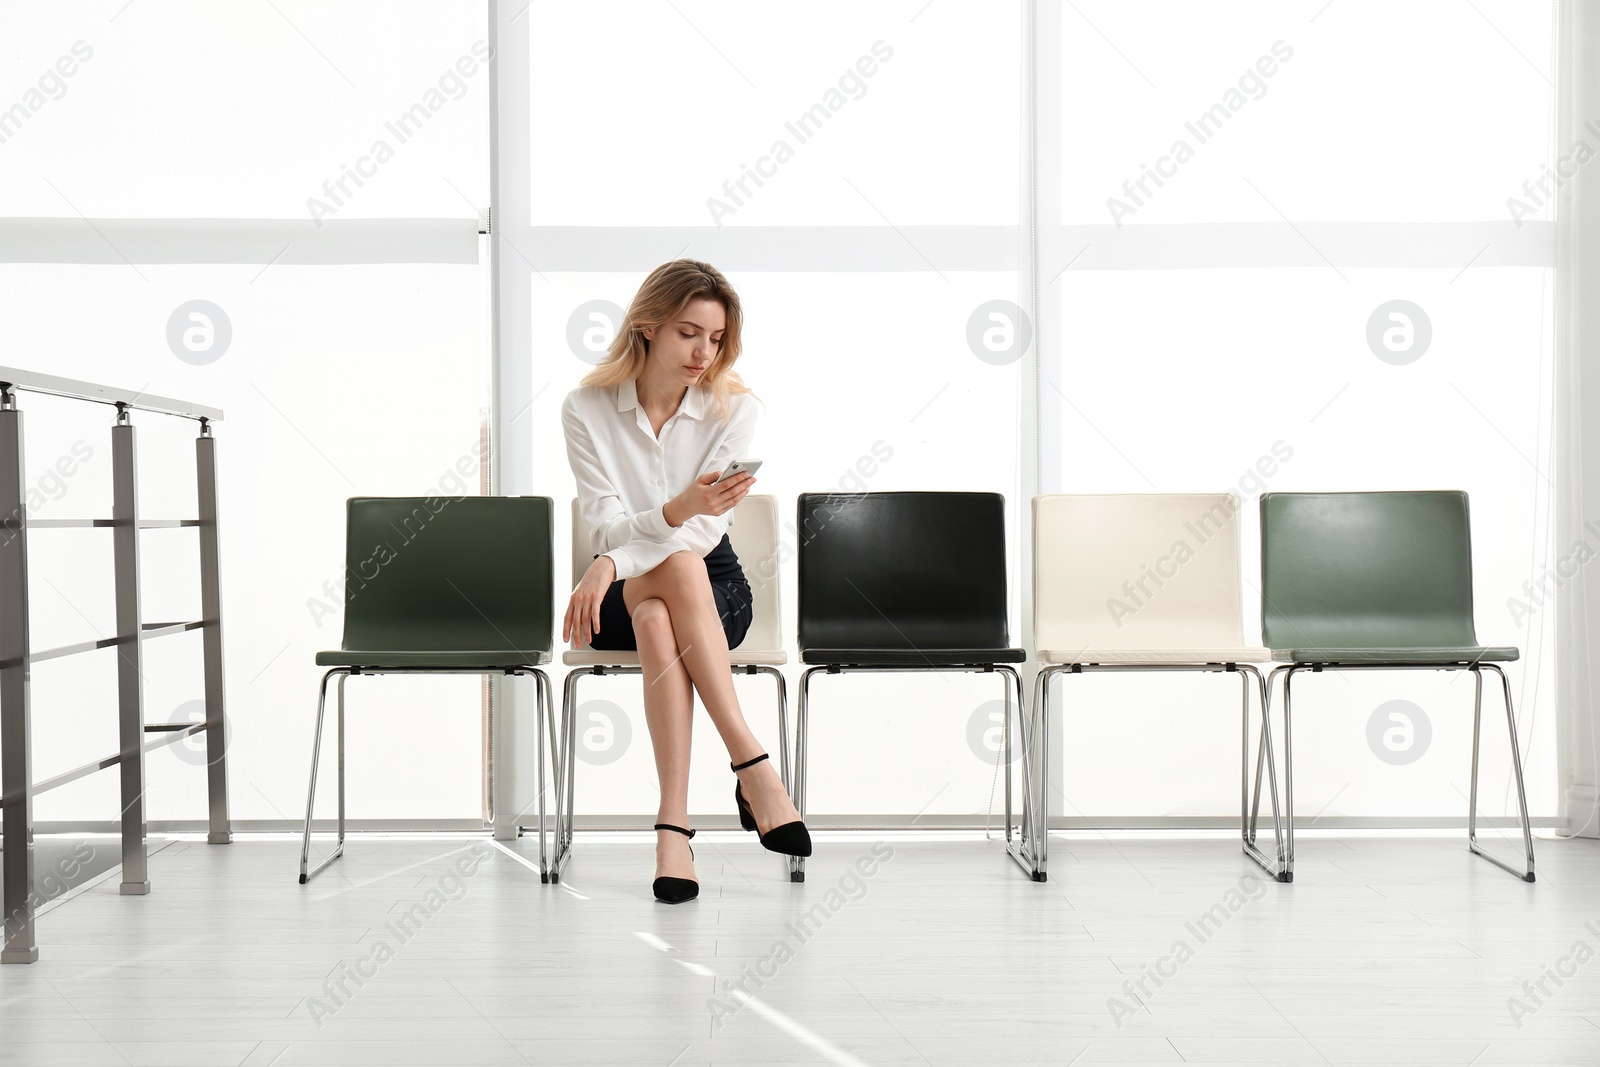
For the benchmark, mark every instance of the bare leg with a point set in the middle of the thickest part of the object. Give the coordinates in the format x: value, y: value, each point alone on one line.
x: 681, y: 582
x: 669, y: 713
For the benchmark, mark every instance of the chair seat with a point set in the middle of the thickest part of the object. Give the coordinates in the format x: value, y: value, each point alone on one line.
x: 737, y: 657
x: 911, y: 657
x: 1458, y: 654
x: 1155, y: 655
x: 487, y: 659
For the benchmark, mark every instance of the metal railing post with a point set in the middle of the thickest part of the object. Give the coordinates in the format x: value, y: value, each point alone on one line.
x: 205, y: 454
x: 130, y: 653
x: 16, y: 745
x: 17, y: 657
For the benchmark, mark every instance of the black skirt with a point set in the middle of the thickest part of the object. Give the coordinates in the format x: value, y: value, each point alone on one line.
x: 728, y: 587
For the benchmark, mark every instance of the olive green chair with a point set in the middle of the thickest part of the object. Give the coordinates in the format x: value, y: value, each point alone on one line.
x: 443, y: 585
x: 1376, y: 581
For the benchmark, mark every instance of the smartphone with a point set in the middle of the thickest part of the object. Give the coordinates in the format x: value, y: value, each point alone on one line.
x: 749, y: 466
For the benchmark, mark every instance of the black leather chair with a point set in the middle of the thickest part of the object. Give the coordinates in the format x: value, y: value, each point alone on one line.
x: 910, y: 581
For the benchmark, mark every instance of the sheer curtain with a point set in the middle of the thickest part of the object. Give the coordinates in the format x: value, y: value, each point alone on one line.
x: 1571, y: 585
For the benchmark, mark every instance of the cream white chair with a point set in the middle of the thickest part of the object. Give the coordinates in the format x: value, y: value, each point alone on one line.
x: 753, y: 533
x: 1145, y: 582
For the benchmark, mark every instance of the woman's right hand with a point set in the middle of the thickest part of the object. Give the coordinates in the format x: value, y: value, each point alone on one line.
x: 707, y: 496
x: 583, y: 610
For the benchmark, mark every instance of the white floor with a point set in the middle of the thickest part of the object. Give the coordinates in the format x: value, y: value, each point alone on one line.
x: 918, y: 949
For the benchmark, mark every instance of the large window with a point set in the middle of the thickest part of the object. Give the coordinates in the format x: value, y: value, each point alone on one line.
x: 862, y: 192
x: 1279, y: 247
x: 1251, y: 246
x: 316, y: 174
x: 1303, y: 247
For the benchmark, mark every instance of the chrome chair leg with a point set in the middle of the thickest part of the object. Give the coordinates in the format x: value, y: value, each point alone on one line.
x: 311, y: 792
x: 1288, y: 774
x: 1005, y: 749
x: 569, y: 765
x: 565, y: 774
x: 1472, y: 787
x: 1013, y: 833
x: 545, y: 721
x: 783, y: 723
x: 1254, y: 793
x: 1041, y: 784
x: 1032, y: 801
x: 1024, y: 850
x: 1266, y: 764
x: 552, y: 736
x: 1285, y: 868
x: 1278, y: 865
x: 1288, y: 671
x: 1516, y: 764
x: 1246, y: 824
x: 797, y: 864
x: 1033, y: 796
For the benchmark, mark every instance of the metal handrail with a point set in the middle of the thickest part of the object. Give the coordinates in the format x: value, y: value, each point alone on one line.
x: 83, y: 524
x: 17, y: 787
x: 175, y: 731
x: 147, y: 631
x: 135, y: 400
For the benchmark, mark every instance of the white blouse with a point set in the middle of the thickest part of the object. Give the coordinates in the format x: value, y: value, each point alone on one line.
x: 625, y: 474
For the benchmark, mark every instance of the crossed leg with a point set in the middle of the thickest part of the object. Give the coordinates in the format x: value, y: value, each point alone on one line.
x: 682, y: 643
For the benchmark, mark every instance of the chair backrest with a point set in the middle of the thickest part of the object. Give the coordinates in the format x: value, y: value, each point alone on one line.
x: 754, y: 537
x: 447, y: 574
x: 902, y: 570
x: 1136, y: 571
x: 1366, y: 570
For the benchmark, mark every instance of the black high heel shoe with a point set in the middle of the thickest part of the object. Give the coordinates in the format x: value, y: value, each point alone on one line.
x: 791, y: 839
x: 675, y: 890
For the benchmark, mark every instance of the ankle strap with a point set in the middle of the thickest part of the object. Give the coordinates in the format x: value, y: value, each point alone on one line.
x: 748, y: 762
x: 669, y: 826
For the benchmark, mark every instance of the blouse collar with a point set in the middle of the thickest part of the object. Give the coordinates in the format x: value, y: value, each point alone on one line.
x: 694, y: 399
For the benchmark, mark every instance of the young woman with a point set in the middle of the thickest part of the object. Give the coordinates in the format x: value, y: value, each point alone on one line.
x: 649, y: 432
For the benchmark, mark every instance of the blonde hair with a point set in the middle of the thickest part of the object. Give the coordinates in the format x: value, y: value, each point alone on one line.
x: 663, y: 296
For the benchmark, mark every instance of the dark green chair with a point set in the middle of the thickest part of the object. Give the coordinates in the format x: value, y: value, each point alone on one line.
x: 1376, y: 581
x: 442, y: 585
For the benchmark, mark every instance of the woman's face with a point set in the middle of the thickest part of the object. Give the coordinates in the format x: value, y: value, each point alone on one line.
x: 683, y: 348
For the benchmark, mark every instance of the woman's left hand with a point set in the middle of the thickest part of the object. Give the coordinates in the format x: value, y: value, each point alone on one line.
x: 583, y: 610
